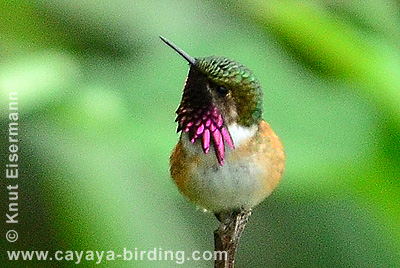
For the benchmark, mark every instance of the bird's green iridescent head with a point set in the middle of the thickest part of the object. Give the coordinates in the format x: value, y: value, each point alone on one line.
x: 218, y: 94
x: 243, y: 87
x: 238, y: 92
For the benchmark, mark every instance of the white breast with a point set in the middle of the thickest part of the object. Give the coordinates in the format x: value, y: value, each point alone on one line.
x: 240, y: 133
x: 230, y: 186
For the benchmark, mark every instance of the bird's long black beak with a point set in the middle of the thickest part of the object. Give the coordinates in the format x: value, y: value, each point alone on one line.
x: 191, y: 60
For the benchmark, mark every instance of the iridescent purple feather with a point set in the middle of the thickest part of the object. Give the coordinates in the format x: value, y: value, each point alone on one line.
x: 207, y: 124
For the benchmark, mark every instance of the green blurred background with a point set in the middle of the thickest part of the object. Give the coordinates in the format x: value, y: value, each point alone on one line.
x: 97, y: 97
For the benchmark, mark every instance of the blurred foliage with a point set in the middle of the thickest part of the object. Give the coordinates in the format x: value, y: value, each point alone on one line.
x: 97, y: 94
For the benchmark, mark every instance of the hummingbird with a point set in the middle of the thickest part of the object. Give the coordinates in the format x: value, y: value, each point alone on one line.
x: 227, y: 158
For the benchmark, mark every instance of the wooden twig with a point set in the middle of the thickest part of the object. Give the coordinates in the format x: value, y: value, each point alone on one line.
x: 227, y: 236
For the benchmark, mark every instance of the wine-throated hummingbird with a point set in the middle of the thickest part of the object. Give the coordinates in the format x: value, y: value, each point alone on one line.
x: 227, y: 157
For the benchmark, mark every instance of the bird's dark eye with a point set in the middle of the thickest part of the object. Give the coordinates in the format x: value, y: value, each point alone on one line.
x: 222, y: 90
